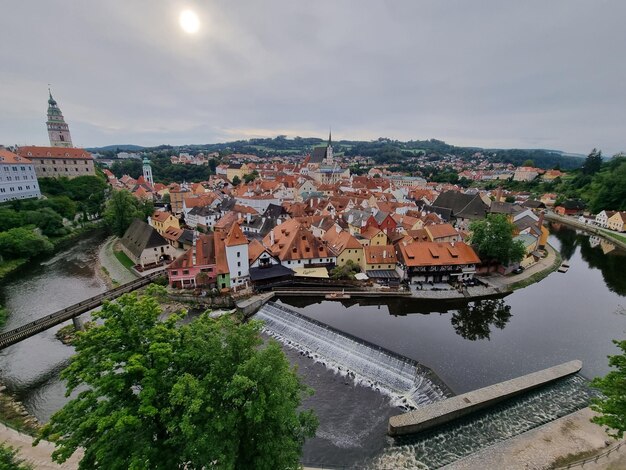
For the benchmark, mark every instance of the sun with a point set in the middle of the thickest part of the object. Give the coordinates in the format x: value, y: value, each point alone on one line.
x: 189, y: 21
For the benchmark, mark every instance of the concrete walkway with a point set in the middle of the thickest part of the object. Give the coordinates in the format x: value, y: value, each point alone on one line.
x: 541, y: 447
x: 117, y: 271
x: 505, y: 282
x: 39, y: 456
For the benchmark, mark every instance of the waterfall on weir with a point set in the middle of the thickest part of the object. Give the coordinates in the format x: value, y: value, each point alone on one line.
x: 410, y: 384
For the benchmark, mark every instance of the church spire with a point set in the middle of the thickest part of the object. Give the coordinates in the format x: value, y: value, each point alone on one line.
x: 58, y: 130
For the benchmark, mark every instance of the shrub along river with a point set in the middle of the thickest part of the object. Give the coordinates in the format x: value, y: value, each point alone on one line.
x: 468, y: 345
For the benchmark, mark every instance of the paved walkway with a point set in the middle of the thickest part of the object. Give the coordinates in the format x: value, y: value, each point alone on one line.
x: 117, y: 271
x: 504, y: 282
x: 540, y: 448
x: 39, y: 456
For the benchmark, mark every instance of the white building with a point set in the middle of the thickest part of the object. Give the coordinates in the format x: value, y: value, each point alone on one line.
x: 17, y: 177
x: 236, y: 246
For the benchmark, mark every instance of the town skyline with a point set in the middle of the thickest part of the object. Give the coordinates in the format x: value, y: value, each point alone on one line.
x: 522, y: 76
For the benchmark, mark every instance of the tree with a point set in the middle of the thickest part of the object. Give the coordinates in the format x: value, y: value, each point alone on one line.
x: 347, y: 271
x: 529, y: 163
x: 158, y: 395
x: 120, y: 211
x: 493, y: 238
x: 593, y: 162
x: 250, y: 177
x: 236, y: 180
x: 10, y: 461
x: 612, y: 404
x: 23, y: 242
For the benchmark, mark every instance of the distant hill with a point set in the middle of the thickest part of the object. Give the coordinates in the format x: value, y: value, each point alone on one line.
x: 117, y: 148
x: 382, y: 150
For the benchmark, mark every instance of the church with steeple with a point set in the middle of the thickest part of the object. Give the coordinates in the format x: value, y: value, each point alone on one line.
x: 58, y: 130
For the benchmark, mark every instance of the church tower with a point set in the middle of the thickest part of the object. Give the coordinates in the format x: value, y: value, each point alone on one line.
x: 329, y: 151
x: 58, y: 131
x: 147, y: 172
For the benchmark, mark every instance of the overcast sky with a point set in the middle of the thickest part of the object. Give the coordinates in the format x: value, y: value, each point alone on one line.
x: 528, y: 74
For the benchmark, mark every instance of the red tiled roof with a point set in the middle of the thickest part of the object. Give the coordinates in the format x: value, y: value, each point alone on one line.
x: 235, y: 237
x: 437, y: 254
x: 54, y: 152
x: 10, y: 157
x: 380, y: 254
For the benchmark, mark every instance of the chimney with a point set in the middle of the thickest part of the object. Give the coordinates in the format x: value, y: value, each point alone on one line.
x: 272, y: 237
x: 540, y: 221
x: 384, y: 254
x: 248, y: 217
x: 238, y: 215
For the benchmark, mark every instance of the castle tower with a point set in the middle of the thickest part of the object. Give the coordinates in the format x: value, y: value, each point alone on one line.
x: 58, y: 131
x: 147, y: 172
x: 329, y: 151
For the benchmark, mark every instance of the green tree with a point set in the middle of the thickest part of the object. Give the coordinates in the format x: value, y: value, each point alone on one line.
x: 611, y: 406
x: 10, y: 461
x: 157, y: 395
x: 611, y: 194
x: 236, y: 181
x: 593, y: 162
x: 529, y: 162
x: 493, y: 238
x: 347, y: 271
x: 120, y: 211
x: 23, y: 242
x: 250, y: 177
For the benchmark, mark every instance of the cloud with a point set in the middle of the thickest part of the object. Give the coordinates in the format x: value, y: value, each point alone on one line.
x: 490, y: 73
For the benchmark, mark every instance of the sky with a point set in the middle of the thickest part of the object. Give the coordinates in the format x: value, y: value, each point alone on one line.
x: 488, y: 73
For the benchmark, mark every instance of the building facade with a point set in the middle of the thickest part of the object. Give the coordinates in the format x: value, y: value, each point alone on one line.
x: 17, y: 177
x: 56, y: 162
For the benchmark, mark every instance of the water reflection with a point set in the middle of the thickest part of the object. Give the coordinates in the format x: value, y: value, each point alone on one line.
x: 597, y: 252
x: 474, y: 320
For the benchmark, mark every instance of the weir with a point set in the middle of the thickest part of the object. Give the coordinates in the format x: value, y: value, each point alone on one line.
x: 411, y: 384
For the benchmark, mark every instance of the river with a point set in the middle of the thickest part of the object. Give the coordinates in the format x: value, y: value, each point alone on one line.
x: 566, y: 316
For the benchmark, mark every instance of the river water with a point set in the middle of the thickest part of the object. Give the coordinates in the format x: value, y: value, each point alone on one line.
x: 566, y: 316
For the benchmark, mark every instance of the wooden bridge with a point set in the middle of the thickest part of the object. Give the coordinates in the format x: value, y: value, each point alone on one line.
x: 30, y: 329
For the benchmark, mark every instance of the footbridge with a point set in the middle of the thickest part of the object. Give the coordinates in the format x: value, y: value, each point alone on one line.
x: 30, y: 329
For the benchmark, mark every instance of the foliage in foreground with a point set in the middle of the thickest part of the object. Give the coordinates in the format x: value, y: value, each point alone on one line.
x: 154, y: 395
x: 10, y: 461
x: 612, y: 405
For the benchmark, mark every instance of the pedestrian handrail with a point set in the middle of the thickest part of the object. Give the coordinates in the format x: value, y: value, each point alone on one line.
x: 595, y: 458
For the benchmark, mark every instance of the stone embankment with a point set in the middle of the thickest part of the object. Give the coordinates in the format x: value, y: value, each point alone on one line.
x: 455, y: 407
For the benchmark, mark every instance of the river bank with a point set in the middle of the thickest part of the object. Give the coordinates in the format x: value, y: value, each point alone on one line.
x: 11, y: 268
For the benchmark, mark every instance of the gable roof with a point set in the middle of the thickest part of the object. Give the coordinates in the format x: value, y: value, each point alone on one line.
x: 235, y: 237
x: 380, y: 254
x: 440, y: 231
x: 293, y: 241
x: 140, y: 236
x: 437, y: 254
x: 10, y: 157
x: 467, y: 206
x: 204, y: 254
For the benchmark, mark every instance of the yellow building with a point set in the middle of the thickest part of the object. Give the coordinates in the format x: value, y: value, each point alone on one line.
x: 239, y: 170
x: 162, y: 220
x: 345, y: 246
x: 617, y: 222
x: 379, y: 257
x: 372, y: 236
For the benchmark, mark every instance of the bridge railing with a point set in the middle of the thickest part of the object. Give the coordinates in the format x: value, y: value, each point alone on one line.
x: 595, y: 458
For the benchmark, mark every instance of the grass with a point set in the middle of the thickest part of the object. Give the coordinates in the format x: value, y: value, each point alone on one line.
x: 615, y: 235
x: 6, y: 267
x: 540, y: 275
x: 125, y: 260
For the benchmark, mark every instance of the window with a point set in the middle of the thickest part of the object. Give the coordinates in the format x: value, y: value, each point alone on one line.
x: 239, y: 264
x: 238, y: 273
x: 185, y: 271
x: 238, y: 254
x: 174, y: 273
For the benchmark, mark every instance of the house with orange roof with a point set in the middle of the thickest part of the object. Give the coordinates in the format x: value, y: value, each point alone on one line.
x: 18, y: 178
x: 196, y: 267
x: 379, y: 257
x: 344, y: 245
x: 54, y: 162
x: 437, y: 262
x: 617, y: 222
x: 161, y: 220
x: 296, y: 246
x: 371, y: 236
x: 442, y: 233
